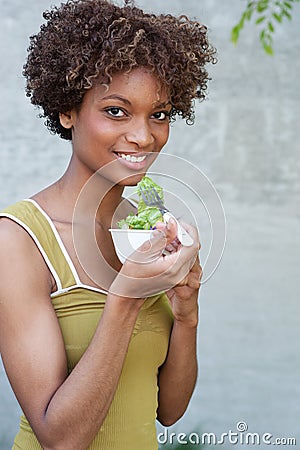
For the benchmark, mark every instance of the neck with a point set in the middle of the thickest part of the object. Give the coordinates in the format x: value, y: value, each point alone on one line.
x: 89, y: 193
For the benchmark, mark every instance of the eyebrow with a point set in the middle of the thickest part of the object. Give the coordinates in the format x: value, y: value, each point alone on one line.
x: 163, y: 105
x: 127, y: 102
x: 116, y: 97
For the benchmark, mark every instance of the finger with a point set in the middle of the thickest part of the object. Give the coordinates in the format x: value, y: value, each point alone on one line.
x: 191, y: 280
x: 197, y: 267
x: 192, y: 231
x: 150, y: 249
x: 173, y: 246
x: 194, y: 284
x: 180, y: 264
x: 170, y: 248
x: 169, y: 228
x: 160, y: 226
x: 194, y: 281
x: 199, y: 272
x: 183, y: 282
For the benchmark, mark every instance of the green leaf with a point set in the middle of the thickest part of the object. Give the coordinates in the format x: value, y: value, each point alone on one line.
x: 262, y: 35
x: 260, y: 20
x: 286, y: 14
x: 245, y: 16
x: 248, y: 14
x: 268, y: 49
x: 235, y: 32
x: 261, y: 8
x: 267, y: 42
x: 277, y: 17
x: 262, y: 5
x: 268, y: 14
x: 147, y: 216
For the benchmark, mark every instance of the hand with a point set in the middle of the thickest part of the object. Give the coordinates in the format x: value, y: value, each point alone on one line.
x: 184, y: 296
x: 149, y: 271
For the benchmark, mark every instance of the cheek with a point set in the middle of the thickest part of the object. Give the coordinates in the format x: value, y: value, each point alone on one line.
x: 164, y: 135
x: 96, y: 132
x: 108, y: 132
x: 160, y: 132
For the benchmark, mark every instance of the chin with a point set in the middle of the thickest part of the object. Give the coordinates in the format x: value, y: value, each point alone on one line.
x: 132, y: 180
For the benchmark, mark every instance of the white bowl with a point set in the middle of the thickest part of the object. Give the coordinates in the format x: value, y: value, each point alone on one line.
x: 126, y: 241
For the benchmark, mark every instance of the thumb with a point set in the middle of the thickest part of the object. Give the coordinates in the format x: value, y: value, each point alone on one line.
x: 150, y: 249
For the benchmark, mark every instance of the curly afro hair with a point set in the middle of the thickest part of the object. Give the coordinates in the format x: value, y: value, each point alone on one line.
x: 87, y: 40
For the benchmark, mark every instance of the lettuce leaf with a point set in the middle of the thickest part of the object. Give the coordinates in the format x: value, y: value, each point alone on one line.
x: 147, y: 216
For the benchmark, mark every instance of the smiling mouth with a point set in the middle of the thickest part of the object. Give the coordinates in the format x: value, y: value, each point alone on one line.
x: 131, y: 158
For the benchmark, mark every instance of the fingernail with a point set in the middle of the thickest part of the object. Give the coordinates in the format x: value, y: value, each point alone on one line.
x: 170, y: 222
x: 157, y: 234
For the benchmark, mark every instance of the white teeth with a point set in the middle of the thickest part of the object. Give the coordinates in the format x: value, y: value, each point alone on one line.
x: 132, y: 158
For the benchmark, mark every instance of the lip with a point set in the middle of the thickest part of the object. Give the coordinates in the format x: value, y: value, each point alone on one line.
x: 134, y: 165
x: 132, y: 152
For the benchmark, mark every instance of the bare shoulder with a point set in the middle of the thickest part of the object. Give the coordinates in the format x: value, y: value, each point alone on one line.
x: 10, y: 230
x: 28, y: 323
x: 14, y: 241
x: 20, y: 257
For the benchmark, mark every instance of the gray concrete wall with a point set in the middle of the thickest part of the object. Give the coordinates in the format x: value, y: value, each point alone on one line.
x: 246, y: 140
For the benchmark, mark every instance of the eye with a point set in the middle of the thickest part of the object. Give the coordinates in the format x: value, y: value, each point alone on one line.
x: 114, y: 111
x: 161, y: 115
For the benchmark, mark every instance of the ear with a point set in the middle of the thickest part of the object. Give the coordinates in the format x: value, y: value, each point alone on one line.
x: 66, y: 119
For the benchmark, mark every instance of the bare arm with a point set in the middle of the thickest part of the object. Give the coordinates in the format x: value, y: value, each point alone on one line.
x: 178, y: 375
x: 28, y: 327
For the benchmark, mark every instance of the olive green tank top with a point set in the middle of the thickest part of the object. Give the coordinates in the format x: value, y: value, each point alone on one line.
x: 130, y: 422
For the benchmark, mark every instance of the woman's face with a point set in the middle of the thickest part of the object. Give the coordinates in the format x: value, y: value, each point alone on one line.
x: 126, y: 123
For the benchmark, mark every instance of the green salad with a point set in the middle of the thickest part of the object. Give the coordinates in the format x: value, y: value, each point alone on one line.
x: 147, y: 216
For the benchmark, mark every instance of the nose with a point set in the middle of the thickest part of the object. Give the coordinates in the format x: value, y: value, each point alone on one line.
x: 140, y: 133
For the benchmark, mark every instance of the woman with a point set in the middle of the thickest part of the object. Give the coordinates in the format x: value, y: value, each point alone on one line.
x: 94, y: 364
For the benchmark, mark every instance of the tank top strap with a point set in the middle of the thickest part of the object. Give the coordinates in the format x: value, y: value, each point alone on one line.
x: 39, y: 226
